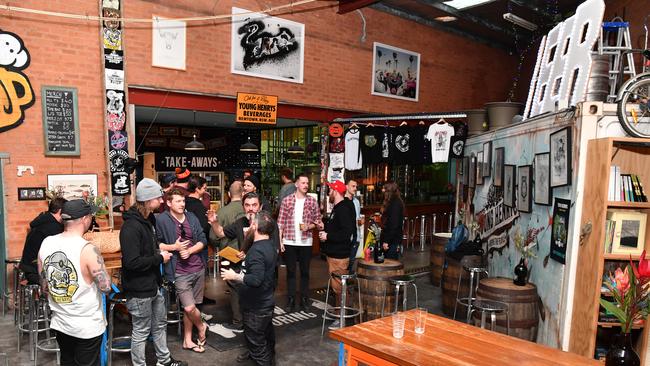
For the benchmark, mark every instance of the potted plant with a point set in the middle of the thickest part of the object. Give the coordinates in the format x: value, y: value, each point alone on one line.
x: 526, y: 245
x: 629, y: 288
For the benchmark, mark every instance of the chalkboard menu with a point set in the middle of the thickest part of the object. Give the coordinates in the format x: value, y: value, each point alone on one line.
x: 60, y: 120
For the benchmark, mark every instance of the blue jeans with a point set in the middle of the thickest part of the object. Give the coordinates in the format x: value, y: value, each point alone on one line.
x: 149, y: 315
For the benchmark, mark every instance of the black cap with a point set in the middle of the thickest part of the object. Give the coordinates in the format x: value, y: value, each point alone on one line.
x: 255, y: 180
x: 76, y: 209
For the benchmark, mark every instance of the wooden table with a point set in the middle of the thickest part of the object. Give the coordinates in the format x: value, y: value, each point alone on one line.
x: 445, y: 342
x: 112, y: 260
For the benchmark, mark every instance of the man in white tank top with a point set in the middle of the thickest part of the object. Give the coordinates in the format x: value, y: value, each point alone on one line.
x: 73, y: 275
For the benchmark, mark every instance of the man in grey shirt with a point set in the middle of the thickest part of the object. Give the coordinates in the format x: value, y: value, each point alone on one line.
x: 286, y: 176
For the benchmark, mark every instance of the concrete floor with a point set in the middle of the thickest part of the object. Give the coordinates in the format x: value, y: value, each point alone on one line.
x: 305, y: 348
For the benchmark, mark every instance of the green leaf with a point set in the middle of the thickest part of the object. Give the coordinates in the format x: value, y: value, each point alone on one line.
x: 612, y: 308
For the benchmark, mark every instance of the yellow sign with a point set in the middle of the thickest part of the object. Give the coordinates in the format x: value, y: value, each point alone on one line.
x: 257, y: 108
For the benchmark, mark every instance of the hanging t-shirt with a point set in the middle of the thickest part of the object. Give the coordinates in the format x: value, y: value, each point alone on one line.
x: 422, y: 152
x: 353, y: 159
x: 406, y: 147
x: 337, y: 145
x: 337, y: 160
x: 371, y: 144
x: 440, y: 136
x: 386, y: 141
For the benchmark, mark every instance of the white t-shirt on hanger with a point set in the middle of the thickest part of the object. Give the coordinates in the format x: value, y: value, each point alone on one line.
x: 440, y: 136
x: 353, y: 159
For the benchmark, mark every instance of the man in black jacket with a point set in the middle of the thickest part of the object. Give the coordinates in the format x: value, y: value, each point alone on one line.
x: 45, y: 224
x: 141, y: 275
x: 339, y: 234
x: 256, y: 284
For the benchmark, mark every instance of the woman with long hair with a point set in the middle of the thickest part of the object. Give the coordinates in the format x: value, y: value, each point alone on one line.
x: 392, y: 219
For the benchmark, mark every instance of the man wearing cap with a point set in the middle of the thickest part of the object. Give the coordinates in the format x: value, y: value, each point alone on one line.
x: 252, y: 184
x: 339, y: 234
x: 74, y: 276
x: 141, y: 275
x: 182, y: 180
x: 167, y: 182
x: 298, y: 216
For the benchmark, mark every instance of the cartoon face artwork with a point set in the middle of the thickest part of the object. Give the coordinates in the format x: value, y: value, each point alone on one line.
x: 62, y: 278
x: 16, y: 94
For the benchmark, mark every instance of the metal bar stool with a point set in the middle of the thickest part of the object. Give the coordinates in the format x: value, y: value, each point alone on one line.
x: 173, y: 316
x: 49, y: 344
x: 398, y: 282
x: 216, y: 259
x: 123, y: 342
x: 18, y: 276
x: 344, y: 311
x: 5, y: 289
x: 474, y: 278
x: 405, y: 231
x: 424, y: 224
x: 493, y: 308
x: 29, y: 319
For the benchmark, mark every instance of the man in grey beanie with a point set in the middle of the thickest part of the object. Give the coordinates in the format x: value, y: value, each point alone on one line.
x: 141, y: 275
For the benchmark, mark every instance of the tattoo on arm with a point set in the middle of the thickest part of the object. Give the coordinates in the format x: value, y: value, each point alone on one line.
x: 100, y: 276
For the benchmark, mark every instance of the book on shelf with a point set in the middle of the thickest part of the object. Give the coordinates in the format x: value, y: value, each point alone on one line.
x: 610, y: 225
x: 625, y: 187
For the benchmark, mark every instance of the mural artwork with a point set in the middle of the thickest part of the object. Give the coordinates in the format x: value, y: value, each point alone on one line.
x: 16, y: 94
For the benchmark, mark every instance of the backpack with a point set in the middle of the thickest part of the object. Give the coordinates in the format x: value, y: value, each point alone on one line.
x: 459, y: 235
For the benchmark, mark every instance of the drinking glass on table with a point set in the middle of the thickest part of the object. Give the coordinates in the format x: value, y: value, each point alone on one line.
x: 398, y: 325
x: 420, y: 320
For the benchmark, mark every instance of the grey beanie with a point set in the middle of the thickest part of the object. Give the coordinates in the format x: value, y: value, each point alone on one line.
x: 147, y: 190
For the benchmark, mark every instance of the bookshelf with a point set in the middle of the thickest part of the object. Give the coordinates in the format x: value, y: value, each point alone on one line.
x: 588, y: 331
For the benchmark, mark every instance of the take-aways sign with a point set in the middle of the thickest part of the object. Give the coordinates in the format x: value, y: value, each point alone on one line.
x: 257, y: 108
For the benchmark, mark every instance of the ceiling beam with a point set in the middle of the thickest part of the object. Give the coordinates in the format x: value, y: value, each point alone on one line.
x: 467, y: 16
x: 440, y: 26
x: 530, y: 6
x: 346, y: 6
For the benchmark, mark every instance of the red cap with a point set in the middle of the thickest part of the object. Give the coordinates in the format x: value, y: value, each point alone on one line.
x: 338, y: 186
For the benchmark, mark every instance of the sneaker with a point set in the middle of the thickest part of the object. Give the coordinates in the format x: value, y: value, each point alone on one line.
x: 172, y: 362
x: 334, y: 326
x: 243, y: 357
x: 206, y: 317
x: 234, y: 327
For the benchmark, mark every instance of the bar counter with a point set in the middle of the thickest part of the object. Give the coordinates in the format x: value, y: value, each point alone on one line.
x: 445, y: 342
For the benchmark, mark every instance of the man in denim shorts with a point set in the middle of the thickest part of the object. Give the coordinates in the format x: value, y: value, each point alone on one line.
x: 186, y: 268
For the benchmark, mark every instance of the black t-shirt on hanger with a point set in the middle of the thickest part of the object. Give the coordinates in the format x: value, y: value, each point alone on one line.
x: 406, y: 147
x: 370, y: 144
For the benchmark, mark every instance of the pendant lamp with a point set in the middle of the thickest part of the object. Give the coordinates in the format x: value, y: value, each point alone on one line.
x: 194, y: 145
x: 248, y: 146
x: 295, y: 148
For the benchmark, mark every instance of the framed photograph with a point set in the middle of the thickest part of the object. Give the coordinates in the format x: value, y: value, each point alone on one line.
x: 629, y: 231
x: 524, y: 188
x: 542, y: 179
x: 487, y: 159
x: 147, y: 131
x: 465, y: 171
x: 499, y: 158
x: 73, y: 186
x: 509, y: 185
x: 395, y: 72
x: 168, y: 131
x: 471, y: 172
x: 155, y: 142
x: 561, y: 157
x: 168, y: 43
x: 190, y: 132
x: 560, y: 233
x: 479, y: 168
x: 31, y: 194
x: 267, y: 47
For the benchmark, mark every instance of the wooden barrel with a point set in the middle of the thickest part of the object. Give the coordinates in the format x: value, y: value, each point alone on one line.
x: 522, y: 306
x: 373, y: 279
x: 450, y: 284
x: 438, y: 256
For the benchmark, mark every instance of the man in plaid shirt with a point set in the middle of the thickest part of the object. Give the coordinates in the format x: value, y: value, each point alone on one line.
x: 299, y: 215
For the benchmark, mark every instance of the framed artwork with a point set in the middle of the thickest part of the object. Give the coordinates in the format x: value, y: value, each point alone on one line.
x: 31, y: 194
x: 561, y: 157
x: 465, y: 171
x: 479, y: 168
x: 73, y: 186
x: 524, y: 185
x: 267, y: 47
x: 168, y: 131
x: 487, y: 159
x: 471, y: 172
x: 629, y: 231
x: 542, y: 179
x: 395, y: 72
x: 499, y: 158
x: 190, y: 132
x: 560, y: 233
x: 509, y: 185
x: 168, y: 43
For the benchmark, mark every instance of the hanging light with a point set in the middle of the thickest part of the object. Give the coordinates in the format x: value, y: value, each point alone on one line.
x: 249, y: 146
x: 295, y: 148
x: 194, y: 145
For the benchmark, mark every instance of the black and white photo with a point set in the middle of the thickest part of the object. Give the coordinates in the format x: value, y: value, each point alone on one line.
x: 560, y: 157
x: 471, y: 172
x: 524, y: 189
x: 542, y: 180
x: 509, y: 185
x: 487, y: 159
x: 479, y: 168
x: 499, y: 158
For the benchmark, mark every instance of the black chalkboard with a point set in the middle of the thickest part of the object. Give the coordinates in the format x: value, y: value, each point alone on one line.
x: 60, y: 120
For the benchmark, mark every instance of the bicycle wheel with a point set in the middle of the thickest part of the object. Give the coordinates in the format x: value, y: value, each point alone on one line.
x: 634, y: 108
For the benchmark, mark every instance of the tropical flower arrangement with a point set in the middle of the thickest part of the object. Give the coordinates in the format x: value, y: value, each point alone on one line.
x: 526, y: 244
x: 630, y: 289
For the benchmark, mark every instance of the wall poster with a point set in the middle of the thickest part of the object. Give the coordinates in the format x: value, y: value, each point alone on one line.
x: 559, y: 235
x: 395, y: 72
